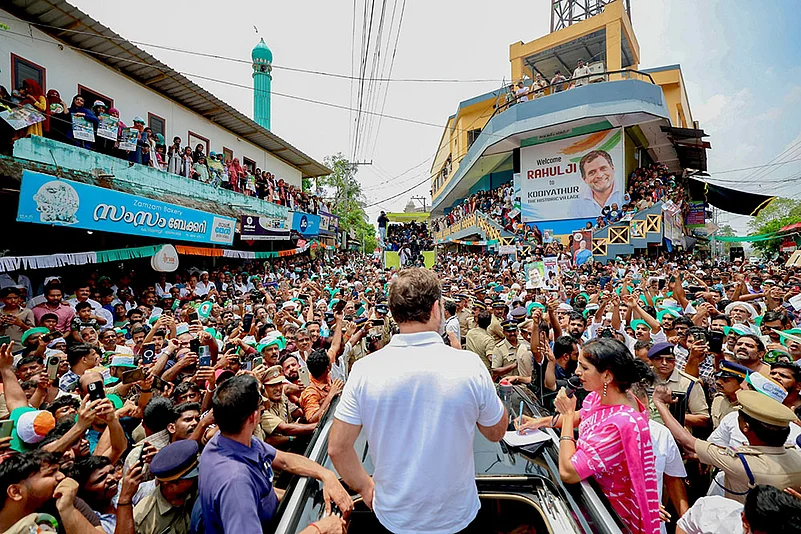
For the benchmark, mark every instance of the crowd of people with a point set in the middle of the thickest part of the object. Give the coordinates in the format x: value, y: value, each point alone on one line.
x: 497, y: 204
x: 528, y: 89
x: 409, y: 240
x: 150, y: 148
x: 141, y: 403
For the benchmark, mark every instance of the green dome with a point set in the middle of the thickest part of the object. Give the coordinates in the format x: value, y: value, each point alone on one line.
x: 261, y: 52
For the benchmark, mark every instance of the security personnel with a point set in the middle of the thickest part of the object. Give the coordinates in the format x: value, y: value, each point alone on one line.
x: 277, y: 421
x: 663, y: 361
x: 495, y: 329
x: 766, y: 423
x: 463, y: 314
x: 169, y: 507
x: 727, y: 382
x: 479, y: 340
x: 504, y: 356
x: 382, y: 312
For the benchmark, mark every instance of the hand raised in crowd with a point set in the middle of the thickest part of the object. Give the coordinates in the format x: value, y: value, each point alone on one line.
x: 64, y: 494
x: 5, y: 444
x: 88, y: 412
x: 131, y: 481
x: 6, y: 356
x: 148, y: 452
x: 336, y: 388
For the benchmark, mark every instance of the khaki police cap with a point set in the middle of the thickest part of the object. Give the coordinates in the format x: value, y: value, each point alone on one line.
x: 765, y: 409
x: 275, y: 375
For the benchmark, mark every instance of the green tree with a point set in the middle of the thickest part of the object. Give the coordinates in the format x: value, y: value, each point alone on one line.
x: 346, y: 200
x: 727, y: 231
x: 778, y: 214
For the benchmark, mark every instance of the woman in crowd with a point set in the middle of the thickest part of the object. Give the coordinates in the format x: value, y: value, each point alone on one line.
x: 235, y: 174
x: 57, y: 118
x: 78, y: 109
x: 103, y: 145
x: 614, y: 443
x: 187, y: 162
x: 200, y: 150
x: 33, y: 96
x: 200, y: 170
x: 114, y: 112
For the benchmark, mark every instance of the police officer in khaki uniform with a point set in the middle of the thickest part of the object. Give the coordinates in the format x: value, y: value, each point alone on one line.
x: 276, y: 419
x: 663, y: 361
x: 479, y: 340
x: 463, y: 314
x: 504, y: 356
x: 169, y: 507
x: 766, y: 423
x: 495, y: 329
x: 727, y: 382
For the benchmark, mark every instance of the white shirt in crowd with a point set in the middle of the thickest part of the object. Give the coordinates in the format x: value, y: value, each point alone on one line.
x: 667, y: 458
x: 97, y: 309
x: 430, y: 394
x: 202, y: 289
x: 452, y: 325
x: 713, y: 515
x: 728, y: 433
x: 163, y: 291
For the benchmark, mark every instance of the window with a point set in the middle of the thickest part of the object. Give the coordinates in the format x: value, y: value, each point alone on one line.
x: 249, y: 164
x: 90, y: 96
x: 195, y: 140
x: 22, y: 69
x: 472, y: 135
x: 228, y: 154
x: 157, y: 124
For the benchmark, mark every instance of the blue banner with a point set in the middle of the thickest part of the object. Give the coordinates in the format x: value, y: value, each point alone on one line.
x: 45, y: 199
x: 305, y: 224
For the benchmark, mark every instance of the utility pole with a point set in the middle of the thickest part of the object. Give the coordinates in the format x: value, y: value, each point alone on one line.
x: 422, y: 200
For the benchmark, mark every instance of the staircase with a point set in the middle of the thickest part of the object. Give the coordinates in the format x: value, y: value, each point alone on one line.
x: 476, y: 224
x: 624, y: 237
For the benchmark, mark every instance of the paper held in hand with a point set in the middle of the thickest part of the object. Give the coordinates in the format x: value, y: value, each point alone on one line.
x: 529, y: 437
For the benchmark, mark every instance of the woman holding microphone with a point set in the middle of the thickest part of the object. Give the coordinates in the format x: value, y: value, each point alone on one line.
x: 614, y: 442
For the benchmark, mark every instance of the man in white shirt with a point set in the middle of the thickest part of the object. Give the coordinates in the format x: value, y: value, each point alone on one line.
x: 82, y: 293
x: 581, y: 74
x: 432, y: 395
x: 600, y: 186
x: 451, y: 321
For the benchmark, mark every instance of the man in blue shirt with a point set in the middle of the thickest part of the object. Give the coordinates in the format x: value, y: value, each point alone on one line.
x: 236, y: 469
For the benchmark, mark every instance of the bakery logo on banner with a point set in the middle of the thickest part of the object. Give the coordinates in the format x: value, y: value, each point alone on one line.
x: 165, y: 260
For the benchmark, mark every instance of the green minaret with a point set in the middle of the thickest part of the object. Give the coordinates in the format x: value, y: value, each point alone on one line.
x: 262, y: 78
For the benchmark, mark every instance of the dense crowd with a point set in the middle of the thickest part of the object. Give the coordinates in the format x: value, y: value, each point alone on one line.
x: 126, y: 395
x: 409, y: 240
x: 150, y: 148
x: 497, y: 204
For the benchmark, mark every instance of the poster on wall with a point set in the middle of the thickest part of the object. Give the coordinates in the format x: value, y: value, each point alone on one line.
x: 82, y: 129
x: 107, y: 126
x: 581, y: 245
x: 696, y: 216
x: 572, y: 178
x: 535, y: 275
x: 255, y: 228
x: 128, y: 139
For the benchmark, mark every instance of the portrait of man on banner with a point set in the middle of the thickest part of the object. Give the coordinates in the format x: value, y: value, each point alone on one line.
x: 600, y: 187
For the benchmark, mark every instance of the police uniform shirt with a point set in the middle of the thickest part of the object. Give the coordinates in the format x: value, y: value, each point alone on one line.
x: 463, y: 316
x: 154, y: 514
x: 503, y: 355
x: 680, y: 382
x: 496, y: 330
x: 276, y: 414
x: 480, y: 342
x: 775, y: 466
x: 721, y: 407
x: 525, y: 359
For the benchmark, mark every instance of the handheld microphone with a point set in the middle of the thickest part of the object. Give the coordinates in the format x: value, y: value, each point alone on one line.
x: 573, y: 385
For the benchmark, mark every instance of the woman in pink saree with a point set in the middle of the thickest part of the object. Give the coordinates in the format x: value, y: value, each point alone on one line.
x: 614, y: 442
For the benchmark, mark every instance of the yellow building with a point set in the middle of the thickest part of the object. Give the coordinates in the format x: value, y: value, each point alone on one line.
x: 480, y: 146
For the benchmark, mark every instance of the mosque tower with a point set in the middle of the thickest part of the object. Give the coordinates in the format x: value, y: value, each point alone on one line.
x: 262, y: 78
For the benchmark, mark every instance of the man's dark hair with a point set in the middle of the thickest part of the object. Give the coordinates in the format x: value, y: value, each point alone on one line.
x: 593, y: 155
x: 563, y: 345
x: 76, y: 352
x: 771, y: 435
x: 158, y: 414
x: 641, y: 344
x: 318, y: 362
x: 412, y: 295
x: 63, y: 402
x: 138, y: 330
x: 53, y: 287
x: 63, y: 426
x: 82, y: 469
x: 6, y: 291
x: 20, y: 467
x: 186, y: 407
x: 794, y: 369
x: 286, y: 357
x: 82, y: 306
x: 768, y: 509
x: 771, y: 316
x: 724, y: 317
x: 450, y: 307
x: 683, y: 320
x: 234, y: 401
x: 484, y: 319
x: 760, y: 345
x: 29, y: 359
x: 183, y: 388
x: 576, y: 316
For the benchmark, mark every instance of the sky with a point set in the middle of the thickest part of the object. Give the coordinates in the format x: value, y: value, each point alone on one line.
x: 738, y: 58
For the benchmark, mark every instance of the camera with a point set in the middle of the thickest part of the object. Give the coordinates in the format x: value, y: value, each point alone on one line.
x: 606, y: 333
